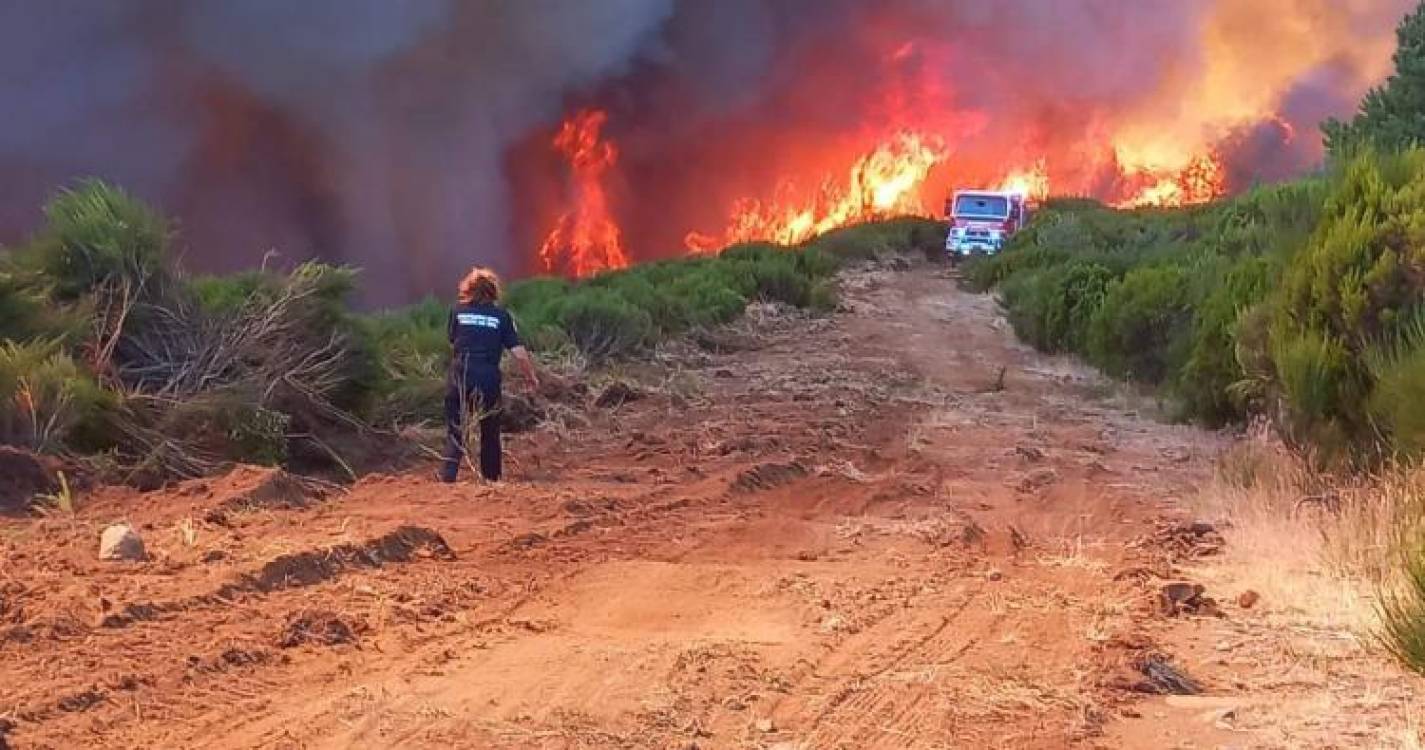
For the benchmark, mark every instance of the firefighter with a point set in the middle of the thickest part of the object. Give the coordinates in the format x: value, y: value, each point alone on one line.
x: 480, y: 331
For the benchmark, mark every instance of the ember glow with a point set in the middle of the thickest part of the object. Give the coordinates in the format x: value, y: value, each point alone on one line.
x: 586, y: 239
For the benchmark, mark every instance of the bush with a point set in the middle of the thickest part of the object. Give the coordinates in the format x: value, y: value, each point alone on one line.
x: 1142, y: 329
x: 25, y: 314
x: 710, y: 299
x: 777, y: 279
x: 619, y: 312
x: 1356, y: 282
x: 1402, y: 612
x: 872, y: 240
x: 230, y: 426
x: 1213, y: 369
x: 603, y: 324
x: 97, y: 234
x: 1051, y: 308
x: 46, y: 399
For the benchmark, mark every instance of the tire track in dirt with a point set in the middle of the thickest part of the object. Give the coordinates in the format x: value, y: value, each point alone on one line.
x: 871, y: 708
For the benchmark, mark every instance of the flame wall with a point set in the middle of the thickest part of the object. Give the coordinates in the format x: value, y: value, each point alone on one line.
x: 415, y: 138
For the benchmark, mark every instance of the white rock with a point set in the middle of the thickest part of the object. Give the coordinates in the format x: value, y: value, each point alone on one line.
x: 121, y: 542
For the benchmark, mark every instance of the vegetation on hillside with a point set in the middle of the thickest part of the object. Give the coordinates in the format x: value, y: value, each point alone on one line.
x: 109, y: 350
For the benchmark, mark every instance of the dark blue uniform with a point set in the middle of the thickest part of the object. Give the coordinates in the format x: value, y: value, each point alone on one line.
x: 480, y: 334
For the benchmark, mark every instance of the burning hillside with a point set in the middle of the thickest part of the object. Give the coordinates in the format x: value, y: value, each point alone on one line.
x: 890, y: 107
x: 415, y: 138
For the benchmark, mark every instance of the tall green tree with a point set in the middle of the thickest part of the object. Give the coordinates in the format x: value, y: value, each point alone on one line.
x: 1392, y: 116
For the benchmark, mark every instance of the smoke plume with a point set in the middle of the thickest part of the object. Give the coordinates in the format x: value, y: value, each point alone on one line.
x: 414, y: 138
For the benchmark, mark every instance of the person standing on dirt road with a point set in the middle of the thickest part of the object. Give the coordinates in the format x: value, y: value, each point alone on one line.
x: 480, y: 331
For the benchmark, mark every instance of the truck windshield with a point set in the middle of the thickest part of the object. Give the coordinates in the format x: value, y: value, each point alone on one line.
x: 986, y: 206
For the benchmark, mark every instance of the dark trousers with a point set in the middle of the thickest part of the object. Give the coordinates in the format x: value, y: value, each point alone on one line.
x: 472, y: 389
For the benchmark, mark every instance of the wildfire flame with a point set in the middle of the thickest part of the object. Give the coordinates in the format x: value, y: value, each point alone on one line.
x: 883, y: 182
x: 586, y: 240
x: 1202, y: 180
x: 1032, y: 183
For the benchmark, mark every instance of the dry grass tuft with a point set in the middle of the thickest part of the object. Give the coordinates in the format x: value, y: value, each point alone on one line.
x: 1310, y: 544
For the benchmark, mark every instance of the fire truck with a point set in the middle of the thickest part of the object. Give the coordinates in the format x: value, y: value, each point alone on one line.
x: 981, y: 221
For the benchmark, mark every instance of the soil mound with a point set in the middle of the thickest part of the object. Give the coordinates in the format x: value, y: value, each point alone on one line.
x: 249, y: 488
x: 767, y: 476
x: 319, y: 628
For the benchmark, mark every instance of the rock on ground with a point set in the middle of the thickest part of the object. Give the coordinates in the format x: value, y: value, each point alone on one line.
x: 121, y: 542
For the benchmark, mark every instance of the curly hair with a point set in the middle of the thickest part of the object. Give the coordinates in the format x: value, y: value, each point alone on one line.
x: 479, y: 287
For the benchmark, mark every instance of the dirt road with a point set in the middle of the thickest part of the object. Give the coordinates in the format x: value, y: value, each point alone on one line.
x: 892, y: 528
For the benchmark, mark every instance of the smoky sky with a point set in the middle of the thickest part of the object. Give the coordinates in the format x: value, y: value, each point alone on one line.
x: 411, y: 138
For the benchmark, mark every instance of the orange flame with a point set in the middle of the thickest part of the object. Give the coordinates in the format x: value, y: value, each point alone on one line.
x: 586, y: 240
x: 883, y: 182
x: 1032, y: 183
x: 1202, y: 180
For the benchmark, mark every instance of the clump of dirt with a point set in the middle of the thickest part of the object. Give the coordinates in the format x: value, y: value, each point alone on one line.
x: 314, y: 566
x: 1186, y: 598
x: 1037, y: 480
x: 1161, y: 677
x: 1195, y: 539
x: 616, y: 394
x: 768, y: 476
x: 723, y: 341
x: 22, y: 476
x: 132, y: 613
x: 81, y: 701
x: 11, y: 599
x: 249, y: 488
x: 231, y: 658
x: 320, y: 628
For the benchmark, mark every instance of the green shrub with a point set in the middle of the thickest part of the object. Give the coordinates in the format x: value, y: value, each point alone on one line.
x: 227, y: 295
x: 876, y: 239
x: 226, y: 425
x: 1356, y: 282
x: 96, y: 234
x: 1397, y: 402
x: 603, y: 325
x: 1213, y: 367
x: 1051, y: 307
x: 1396, y: 365
x: 709, y: 297
x: 777, y: 279
x: 23, y: 312
x: 1142, y: 329
x: 47, y: 402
